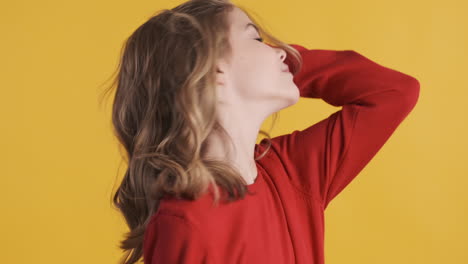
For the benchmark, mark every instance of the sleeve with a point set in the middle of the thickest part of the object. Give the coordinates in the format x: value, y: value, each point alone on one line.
x: 325, y: 157
x: 172, y: 239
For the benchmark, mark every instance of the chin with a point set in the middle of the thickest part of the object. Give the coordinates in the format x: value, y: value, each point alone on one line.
x: 288, y: 96
x: 295, y: 94
x: 290, y: 100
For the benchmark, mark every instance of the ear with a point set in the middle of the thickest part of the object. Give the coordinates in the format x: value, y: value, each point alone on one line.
x: 222, y: 81
x: 221, y: 76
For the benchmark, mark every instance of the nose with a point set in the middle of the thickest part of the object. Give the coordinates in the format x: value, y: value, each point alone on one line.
x: 282, y: 53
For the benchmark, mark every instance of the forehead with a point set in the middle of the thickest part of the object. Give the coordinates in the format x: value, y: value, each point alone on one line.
x: 239, y: 19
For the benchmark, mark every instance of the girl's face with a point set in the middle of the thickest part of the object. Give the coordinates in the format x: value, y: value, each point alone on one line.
x: 255, y: 76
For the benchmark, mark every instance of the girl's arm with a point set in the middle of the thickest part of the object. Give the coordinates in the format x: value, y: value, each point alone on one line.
x: 173, y: 239
x: 325, y: 157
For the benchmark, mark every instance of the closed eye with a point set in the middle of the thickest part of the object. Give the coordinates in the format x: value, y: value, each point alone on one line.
x: 259, y: 39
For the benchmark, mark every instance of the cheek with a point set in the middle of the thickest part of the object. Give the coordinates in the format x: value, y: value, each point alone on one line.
x: 258, y: 79
x: 249, y: 75
x: 256, y: 73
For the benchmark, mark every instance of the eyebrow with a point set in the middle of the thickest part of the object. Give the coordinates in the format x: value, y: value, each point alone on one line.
x: 253, y: 25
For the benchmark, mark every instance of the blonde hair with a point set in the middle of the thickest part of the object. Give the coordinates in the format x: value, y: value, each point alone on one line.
x: 164, y: 108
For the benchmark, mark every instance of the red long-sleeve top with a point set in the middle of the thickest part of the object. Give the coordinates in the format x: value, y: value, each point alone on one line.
x: 302, y: 172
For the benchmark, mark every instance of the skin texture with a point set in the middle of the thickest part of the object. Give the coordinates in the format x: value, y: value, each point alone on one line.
x: 250, y: 88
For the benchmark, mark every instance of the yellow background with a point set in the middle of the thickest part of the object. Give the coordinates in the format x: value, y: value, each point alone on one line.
x: 59, y: 159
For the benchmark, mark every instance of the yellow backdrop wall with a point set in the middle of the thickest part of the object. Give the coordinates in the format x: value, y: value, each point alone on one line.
x: 59, y: 159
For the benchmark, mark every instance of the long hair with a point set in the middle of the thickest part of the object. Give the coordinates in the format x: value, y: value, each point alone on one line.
x: 165, y: 107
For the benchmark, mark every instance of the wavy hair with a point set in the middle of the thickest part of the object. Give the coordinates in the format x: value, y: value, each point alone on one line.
x: 164, y: 108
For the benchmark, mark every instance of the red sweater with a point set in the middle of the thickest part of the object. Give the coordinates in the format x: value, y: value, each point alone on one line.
x: 301, y: 174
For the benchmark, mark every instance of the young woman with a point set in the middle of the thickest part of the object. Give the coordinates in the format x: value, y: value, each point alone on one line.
x: 194, y: 86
